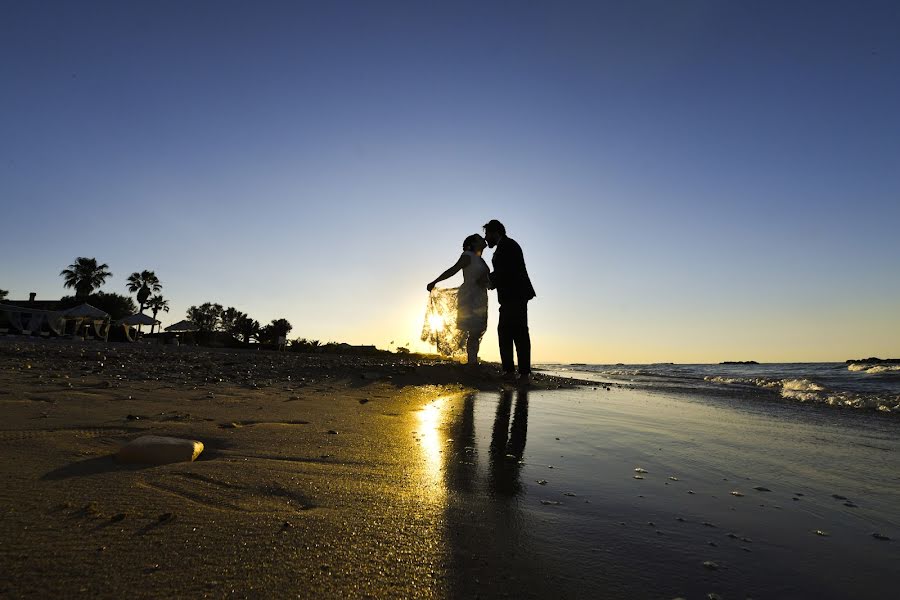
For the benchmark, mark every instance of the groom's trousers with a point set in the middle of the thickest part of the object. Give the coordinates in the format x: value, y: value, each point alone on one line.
x: 513, y: 329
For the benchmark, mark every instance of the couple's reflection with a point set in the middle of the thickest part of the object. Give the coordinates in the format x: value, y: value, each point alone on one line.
x: 507, y: 445
x: 508, y: 442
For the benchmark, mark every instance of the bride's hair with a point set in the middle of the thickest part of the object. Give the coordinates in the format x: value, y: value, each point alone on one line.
x: 469, y: 242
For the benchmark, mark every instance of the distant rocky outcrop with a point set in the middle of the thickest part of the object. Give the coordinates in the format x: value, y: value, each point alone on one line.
x: 739, y: 362
x: 873, y: 360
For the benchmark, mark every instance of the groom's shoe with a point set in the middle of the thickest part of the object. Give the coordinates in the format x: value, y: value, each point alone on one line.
x: 525, y: 379
x: 509, y: 376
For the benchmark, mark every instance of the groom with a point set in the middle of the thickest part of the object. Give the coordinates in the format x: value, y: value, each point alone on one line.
x: 514, y: 290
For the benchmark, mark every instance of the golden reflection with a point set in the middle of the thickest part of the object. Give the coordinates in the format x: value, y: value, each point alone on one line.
x: 431, y: 440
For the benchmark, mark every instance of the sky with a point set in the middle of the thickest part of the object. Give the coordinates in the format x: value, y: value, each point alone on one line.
x: 690, y: 181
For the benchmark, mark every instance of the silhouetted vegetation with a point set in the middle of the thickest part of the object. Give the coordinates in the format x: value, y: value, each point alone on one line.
x: 156, y: 304
x: 144, y: 283
x: 274, y: 330
x: 3, y: 294
x: 207, y: 317
x: 85, y: 275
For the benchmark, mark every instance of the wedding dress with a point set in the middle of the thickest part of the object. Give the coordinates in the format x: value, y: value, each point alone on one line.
x: 454, y: 315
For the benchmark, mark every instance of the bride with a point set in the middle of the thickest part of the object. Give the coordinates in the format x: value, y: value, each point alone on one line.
x: 471, y: 317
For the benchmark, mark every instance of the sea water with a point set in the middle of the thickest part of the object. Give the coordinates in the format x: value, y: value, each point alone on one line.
x: 860, y: 385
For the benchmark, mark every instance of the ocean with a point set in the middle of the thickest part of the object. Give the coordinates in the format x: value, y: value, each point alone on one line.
x: 854, y: 385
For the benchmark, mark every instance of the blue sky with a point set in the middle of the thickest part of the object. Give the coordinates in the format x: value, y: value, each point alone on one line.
x: 690, y: 181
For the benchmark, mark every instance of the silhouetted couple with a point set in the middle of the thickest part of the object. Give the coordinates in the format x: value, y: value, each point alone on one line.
x: 514, y: 290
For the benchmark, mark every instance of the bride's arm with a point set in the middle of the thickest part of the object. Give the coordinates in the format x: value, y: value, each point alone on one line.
x: 460, y: 264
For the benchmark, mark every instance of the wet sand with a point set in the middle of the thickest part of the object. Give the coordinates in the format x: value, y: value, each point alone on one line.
x: 389, y: 478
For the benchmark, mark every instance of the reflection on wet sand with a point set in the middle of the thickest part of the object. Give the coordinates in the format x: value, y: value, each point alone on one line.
x: 487, y: 550
x: 508, y: 443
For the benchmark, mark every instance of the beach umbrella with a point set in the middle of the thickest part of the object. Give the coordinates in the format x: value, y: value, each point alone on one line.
x: 85, y: 311
x: 184, y: 325
x: 138, y: 319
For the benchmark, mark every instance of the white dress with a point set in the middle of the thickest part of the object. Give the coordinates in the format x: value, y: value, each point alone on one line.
x: 472, y: 307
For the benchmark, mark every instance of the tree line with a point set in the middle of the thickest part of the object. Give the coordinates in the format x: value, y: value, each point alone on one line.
x: 212, y: 317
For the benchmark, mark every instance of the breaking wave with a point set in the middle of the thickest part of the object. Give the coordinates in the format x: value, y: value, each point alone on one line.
x: 873, y: 370
x: 805, y: 390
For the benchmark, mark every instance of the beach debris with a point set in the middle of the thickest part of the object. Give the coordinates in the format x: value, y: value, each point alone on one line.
x: 713, y: 596
x: 638, y: 477
x: 733, y: 536
x: 838, y: 497
x: 795, y: 499
x: 165, y: 517
x: 746, y: 549
x: 713, y: 544
x: 850, y: 504
x: 711, y: 565
x: 133, y: 417
x: 159, y: 450
x: 232, y: 425
x: 542, y: 482
x: 363, y: 400
x: 690, y: 491
x: 332, y: 432
x: 640, y: 470
x: 798, y: 493
x: 708, y: 524
x: 672, y: 478
x: 736, y: 493
x: 760, y: 488
x: 550, y: 502
x: 819, y: 532
x: 679, y: 519
x: 117, y: 518
x: 881, y: 536
x: 570, y: 494
x: 651, y: 523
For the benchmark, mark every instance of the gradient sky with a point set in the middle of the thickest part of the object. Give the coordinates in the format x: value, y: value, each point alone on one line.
x: 690, y: 181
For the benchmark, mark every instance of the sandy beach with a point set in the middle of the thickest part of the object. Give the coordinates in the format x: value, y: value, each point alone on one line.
x: 338, y: 476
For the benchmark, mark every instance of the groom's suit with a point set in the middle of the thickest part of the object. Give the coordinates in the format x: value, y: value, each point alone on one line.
x: 514, y: 290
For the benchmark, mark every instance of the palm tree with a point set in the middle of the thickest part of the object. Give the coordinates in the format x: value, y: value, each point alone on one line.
x: 85, y: 275
x: 144, y: 283
x: 248, y: 328
x: 156, y: 304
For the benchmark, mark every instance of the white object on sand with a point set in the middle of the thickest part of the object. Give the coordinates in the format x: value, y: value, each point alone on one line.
x: 159, y: 450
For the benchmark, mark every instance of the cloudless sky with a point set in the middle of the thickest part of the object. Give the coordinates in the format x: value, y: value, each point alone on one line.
x: 690, y: 181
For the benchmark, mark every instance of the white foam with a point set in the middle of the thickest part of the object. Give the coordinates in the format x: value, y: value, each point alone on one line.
x: 883, y: 369
x: 800, y: 385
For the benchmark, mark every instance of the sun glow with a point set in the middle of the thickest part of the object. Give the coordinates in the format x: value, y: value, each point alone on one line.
x: 436, y: 322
